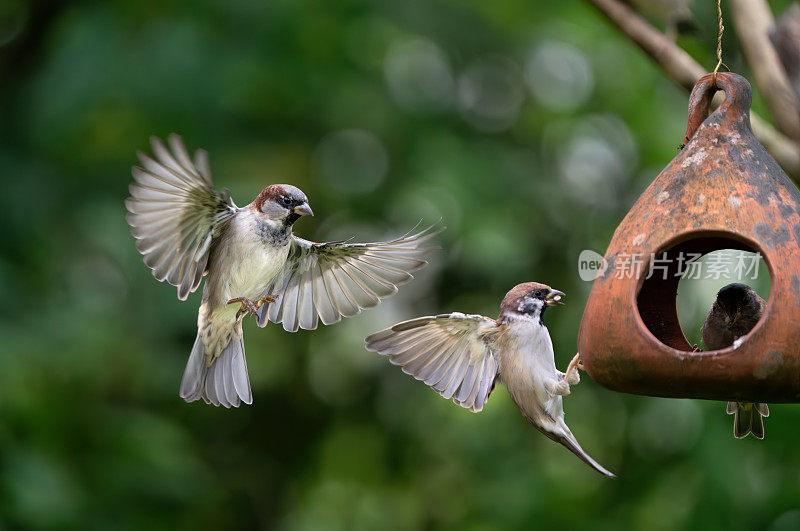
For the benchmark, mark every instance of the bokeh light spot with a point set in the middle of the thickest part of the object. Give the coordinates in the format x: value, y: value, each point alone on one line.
x: 559, y: 76
x: 490, y: 93
x: 350, y: 161
x: 419, y: 76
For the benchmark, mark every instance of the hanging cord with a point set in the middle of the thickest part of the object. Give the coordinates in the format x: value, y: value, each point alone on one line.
x: 719, y: 61
x: 719, y: 44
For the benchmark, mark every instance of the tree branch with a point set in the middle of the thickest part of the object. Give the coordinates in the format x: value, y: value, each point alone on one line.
x: 753, y: 21
x: 682, y: 68
x: 785, y: 36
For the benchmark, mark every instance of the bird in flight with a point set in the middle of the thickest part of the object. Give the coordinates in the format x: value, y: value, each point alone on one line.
x: 254, y: 263
x: 463, y: 356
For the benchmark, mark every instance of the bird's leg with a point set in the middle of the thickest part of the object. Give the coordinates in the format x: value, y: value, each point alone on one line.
x: 572, y: 376
x: 557, y: 388
x: 247, y: 306
x: 250, y: 305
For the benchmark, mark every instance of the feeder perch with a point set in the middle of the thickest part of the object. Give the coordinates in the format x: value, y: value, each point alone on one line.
x: 722, y: 191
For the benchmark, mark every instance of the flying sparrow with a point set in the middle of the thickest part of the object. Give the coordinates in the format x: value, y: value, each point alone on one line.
x: 462, y: 357
x: 734, y: 313
x: 186, y: 229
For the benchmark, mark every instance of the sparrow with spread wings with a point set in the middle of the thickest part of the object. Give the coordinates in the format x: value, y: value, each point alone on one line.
x: 185, y: 229
x: 463, y: 356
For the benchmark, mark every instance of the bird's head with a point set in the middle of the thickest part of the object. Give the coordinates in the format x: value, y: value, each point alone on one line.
x: 734, y: 300
x: 529, y: 300
x: 282, y: 202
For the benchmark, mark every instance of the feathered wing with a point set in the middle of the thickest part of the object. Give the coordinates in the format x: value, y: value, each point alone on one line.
x: 175, y: 213
x: 453, y: 353
x: 328, y: 281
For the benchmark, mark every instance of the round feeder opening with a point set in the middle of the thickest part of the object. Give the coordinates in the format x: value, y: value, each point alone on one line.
x: 679, y: 283
x: 698, y: 287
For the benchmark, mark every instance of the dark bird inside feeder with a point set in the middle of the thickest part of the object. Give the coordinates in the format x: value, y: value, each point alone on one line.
x: 736, y: 310
x: 722, y: 191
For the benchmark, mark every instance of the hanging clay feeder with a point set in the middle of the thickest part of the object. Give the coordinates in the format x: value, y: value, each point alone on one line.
x: 722, y: 191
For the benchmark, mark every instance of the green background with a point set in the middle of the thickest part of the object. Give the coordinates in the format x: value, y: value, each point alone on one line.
x: 529, y: 127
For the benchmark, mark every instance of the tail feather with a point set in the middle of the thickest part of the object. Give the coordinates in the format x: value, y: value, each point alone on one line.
x: 756, y: 424
x: 194, y: 374
x: 747, y: 418
x: 742, y: 420
x: 241, y: 379
x: 215, y: 394
x: 224, y: 383
x: 566, y: 438
x: 230, y: 389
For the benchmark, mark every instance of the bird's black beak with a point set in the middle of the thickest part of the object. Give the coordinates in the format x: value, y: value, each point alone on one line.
x: 554, y: 298
x: 303, y: 210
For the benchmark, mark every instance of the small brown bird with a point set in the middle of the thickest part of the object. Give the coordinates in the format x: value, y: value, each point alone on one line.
x: 185, y: 229
x: 462, y: 357
x: 734, y: 313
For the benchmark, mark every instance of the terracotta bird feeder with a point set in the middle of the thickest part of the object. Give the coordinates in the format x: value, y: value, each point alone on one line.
x: 722, y: 191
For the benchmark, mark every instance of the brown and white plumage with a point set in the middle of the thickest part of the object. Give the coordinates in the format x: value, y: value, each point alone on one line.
x: 453, y: 353
x: 328, y: 281
x: 462, y: 357
x: 175, y: 213
x: 185, y: 229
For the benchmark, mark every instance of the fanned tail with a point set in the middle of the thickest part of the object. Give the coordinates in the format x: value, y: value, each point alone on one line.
x: 747, y: 418
x: 223, y: 383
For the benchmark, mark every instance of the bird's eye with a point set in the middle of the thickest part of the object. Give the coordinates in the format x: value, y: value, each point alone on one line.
x: 286, y: 200
x: 537, y: 293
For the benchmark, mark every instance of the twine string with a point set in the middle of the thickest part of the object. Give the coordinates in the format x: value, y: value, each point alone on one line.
x: 719, y: 43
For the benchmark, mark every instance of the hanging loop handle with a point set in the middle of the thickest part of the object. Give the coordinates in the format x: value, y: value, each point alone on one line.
x: 735, y: 109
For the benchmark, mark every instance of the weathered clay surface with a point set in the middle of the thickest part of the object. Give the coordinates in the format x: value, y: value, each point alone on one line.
x: 723, y: 190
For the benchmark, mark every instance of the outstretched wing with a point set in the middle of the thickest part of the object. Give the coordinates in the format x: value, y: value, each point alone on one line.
x: 328, y: 281
x: 453, y: 353
x: 175, y: 213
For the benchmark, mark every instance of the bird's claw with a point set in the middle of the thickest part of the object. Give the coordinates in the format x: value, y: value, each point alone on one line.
x: 572, y: 376
x: 266, y: 299
x: 696, y: 348
x: 250, y: 306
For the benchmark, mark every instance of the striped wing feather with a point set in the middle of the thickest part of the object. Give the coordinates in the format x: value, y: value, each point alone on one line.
x: 175, y: 213
x: 453, y: 353
x: 328, y: 281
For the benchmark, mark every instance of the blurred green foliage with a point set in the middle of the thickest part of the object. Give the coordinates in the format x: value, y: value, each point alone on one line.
x: 530, y: 127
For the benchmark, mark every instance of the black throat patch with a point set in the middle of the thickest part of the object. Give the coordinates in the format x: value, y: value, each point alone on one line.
x: 269, y: 235
x: 290, y: 219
